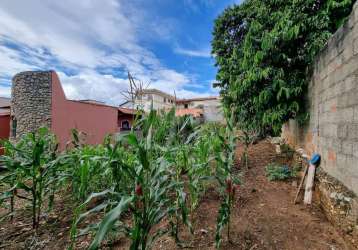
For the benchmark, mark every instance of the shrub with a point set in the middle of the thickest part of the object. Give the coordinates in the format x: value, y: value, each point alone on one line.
x: 287, y: 150
x: 276, y: 172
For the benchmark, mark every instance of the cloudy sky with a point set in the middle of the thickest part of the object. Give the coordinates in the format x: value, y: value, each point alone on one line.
x: 93, y: 43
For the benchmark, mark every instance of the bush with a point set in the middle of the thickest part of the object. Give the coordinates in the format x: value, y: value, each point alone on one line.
x: 287, y: 150
x: 276, y: 172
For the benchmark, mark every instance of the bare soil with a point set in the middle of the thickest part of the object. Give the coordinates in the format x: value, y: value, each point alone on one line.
x: 264, y: 217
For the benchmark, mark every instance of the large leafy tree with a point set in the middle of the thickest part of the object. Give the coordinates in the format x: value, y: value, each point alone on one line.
x: 264, y: 50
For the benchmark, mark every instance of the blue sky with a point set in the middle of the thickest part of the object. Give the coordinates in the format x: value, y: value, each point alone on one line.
x: 92, y: 43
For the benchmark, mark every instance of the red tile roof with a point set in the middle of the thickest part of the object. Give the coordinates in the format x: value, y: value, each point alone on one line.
x: 197, y: 99
x: 192, y: 112
x: 92, y: 102
x: 127, y: 111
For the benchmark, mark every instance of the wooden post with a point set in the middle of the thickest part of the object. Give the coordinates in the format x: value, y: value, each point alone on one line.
x: 301, y: 184
x: 309, y: 184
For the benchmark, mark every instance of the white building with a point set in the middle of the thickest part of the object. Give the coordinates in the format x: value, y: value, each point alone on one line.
x: 211, y: 107
x: 207, y: 108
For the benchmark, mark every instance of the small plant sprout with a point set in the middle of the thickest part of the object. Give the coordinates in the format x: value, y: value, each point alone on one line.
x: 247, y: 137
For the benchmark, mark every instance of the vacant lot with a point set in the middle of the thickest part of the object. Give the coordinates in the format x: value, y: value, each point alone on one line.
x: 264, y: 217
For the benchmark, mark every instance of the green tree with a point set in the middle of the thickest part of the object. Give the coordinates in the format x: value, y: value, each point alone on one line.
x: 264, y: 50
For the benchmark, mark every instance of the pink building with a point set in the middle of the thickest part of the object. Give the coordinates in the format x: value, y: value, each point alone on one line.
x: 4, y: 119
x: 125, y: 118
x: 39, y: 100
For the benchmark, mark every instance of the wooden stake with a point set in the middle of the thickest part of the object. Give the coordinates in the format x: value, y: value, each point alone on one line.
x: 301, y: 184
x: 309, y: 184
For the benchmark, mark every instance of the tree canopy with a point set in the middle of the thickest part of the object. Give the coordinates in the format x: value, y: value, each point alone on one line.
x: 264, y: 50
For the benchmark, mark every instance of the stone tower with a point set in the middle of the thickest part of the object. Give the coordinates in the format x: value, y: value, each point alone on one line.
x: 31, y: 102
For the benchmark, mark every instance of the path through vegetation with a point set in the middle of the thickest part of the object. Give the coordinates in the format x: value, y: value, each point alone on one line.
x: 265, y: 216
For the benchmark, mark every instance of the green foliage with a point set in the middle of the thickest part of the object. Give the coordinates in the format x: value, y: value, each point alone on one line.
x: 158, y: 171
x: 264, y: 51
x: 83, y: 166
x: 30, y: 169
x: 276, y: 172
x: 148, y: 170
x: 287, y: 150
x: 247, y: 137
x: 224, y: 147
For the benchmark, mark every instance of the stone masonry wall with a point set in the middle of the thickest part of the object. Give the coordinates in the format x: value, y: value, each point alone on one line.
x: 31, y: 101
x: 332, y: 130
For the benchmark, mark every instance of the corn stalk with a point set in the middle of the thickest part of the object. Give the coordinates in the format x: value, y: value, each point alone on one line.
x: 225, y: 145
x: 31, y: 170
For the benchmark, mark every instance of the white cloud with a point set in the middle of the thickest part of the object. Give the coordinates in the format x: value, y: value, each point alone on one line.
x: 5, y: 91
x: 193, y: 53
x: 11, y: 62
x: 96, y: 86
x: 82, y: 37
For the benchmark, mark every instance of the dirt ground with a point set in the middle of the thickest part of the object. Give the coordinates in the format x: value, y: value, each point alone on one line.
x: 264, y: 217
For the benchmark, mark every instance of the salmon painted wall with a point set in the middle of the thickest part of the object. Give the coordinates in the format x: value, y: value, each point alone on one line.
x: 4, y: 128
x: 125, y: 117
x: 95, y: 120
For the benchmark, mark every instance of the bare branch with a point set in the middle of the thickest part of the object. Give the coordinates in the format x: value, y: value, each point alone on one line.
x: 135, y: 89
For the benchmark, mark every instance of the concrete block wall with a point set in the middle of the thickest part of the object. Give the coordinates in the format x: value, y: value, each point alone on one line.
x: 333, y: 107
x: 332, y: 130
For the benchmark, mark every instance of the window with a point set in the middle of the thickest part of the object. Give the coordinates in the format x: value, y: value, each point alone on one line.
x: 14, y: 126
x: 165, y: 100
x: 126, y: 125
x: 186, y: 105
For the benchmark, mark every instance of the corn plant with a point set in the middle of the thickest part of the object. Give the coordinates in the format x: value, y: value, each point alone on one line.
x: 187, y: 150
x: 8, y: 180
x: 224, y: 146
x: 83, y: 170
x: 82, y: 167
x: 199, y: 171
x: 177, y: 156
x: 31, y: 170
x: 247, y: 137
x: 144, y: 186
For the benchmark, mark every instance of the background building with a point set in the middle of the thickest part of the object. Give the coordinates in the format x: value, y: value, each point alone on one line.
x: 38, y: 100
x: 207, y: 108
x: 210, y: 106
x: 146, y: 98
x: 4, y: 119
